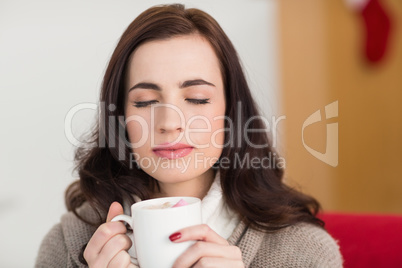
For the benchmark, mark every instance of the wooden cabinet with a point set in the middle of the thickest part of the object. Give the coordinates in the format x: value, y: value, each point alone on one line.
x: 322, y: 61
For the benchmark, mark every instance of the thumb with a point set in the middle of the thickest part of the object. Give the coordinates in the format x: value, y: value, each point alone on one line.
x: 114, y: 210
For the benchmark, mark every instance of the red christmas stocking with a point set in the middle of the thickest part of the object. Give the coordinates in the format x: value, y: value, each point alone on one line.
x: 378, y: 26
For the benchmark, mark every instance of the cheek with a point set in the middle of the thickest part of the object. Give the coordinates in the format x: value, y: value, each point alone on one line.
x: 218, y: 132
x: 218, y: 126
x: 206, y: 129
x: 138, y: 130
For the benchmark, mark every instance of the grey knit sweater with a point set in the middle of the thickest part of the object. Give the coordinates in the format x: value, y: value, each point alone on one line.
x: 301, y: 245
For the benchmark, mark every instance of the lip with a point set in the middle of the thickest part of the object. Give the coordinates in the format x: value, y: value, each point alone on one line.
x: 172, y: 150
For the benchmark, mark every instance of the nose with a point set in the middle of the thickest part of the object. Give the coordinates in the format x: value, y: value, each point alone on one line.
x: 169, y: 118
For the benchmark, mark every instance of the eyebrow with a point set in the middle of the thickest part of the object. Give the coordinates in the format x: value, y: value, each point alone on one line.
x: 187, y: 83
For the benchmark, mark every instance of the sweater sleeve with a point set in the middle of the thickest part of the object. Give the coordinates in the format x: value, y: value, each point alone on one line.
x: 62, y: 246
x: 53, y: 251
x: 301, y: 245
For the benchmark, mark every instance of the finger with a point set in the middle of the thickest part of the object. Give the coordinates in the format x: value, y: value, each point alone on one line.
x: 121, y: 259
x: 117, y: 243
x: 198, y: 232
x: 101, y: 236
x: 218, y: 262
x: 200, y: 250
x: 114, y: 210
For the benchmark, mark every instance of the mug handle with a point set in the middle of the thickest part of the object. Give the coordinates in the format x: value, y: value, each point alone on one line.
x: 128, y: 220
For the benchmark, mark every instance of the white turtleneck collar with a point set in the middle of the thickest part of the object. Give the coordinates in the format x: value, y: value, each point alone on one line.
x: 215, y: 212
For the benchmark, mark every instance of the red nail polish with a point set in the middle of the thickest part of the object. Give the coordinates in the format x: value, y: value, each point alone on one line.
x: 175, y: 236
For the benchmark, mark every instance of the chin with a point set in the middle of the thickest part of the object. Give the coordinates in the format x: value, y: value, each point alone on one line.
x: 175, y: 175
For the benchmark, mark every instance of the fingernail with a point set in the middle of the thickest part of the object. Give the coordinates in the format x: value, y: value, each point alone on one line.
x: 175, y: 236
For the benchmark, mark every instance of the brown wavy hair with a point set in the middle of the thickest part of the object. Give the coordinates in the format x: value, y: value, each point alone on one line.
x: 258, y: 195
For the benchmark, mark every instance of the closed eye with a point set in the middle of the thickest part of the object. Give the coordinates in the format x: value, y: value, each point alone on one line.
x: 198, y: 101
x: 140, y: 104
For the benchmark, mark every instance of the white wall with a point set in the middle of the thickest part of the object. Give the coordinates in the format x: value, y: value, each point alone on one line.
x: 52, y: 57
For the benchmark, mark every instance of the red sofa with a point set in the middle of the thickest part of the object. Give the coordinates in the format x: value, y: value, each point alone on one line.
x: 367, y: 240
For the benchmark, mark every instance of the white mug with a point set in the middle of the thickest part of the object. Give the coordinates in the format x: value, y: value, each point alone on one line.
x: 152, y: 227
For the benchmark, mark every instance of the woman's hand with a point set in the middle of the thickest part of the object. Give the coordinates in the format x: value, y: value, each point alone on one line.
x: 109, y: 244
x: 211, y: 250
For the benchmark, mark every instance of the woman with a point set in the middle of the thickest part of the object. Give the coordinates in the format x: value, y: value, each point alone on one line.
x: 175, y: 105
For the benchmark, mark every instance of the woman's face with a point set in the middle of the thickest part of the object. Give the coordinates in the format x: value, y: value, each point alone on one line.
x: 174, y: 109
